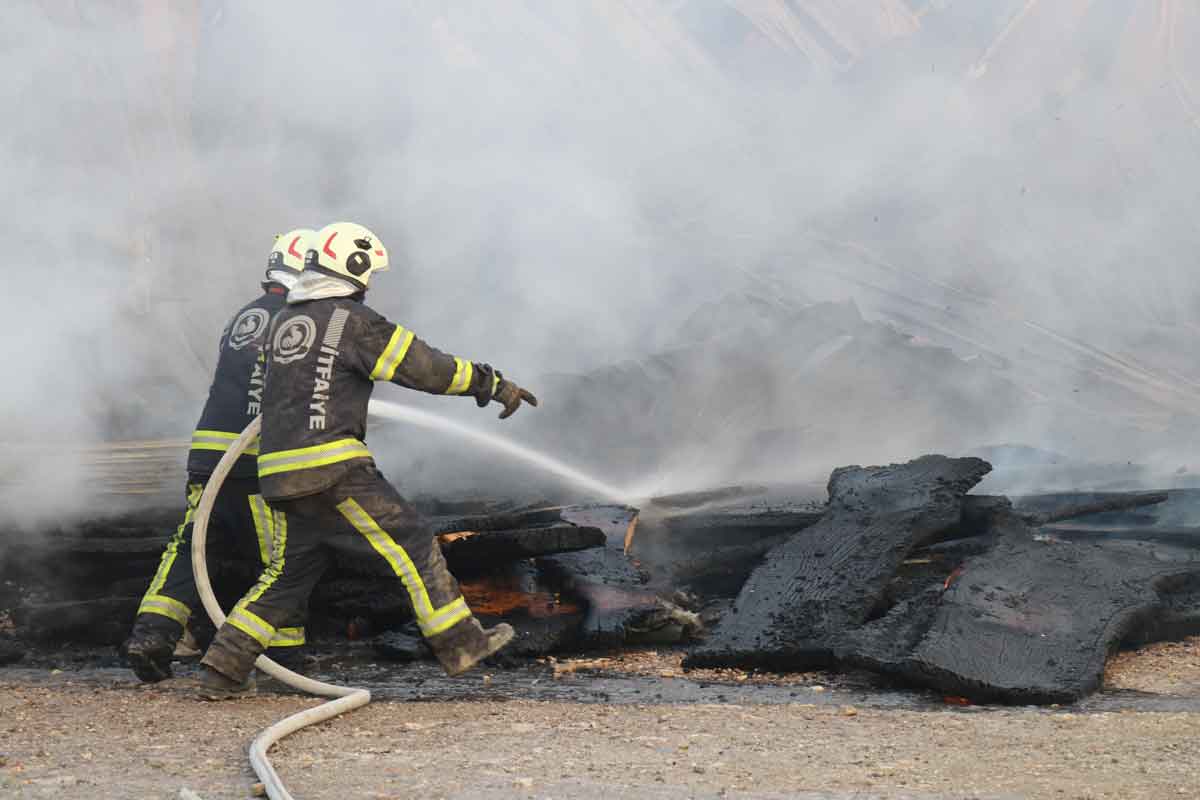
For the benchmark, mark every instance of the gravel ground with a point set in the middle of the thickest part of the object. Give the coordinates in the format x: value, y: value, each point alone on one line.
x: 93, y: 733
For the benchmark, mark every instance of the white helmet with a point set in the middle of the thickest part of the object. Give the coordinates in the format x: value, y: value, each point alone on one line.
x: 286, y: 261
x: 348, y: 251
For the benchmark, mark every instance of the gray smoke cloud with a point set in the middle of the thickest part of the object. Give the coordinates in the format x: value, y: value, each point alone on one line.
x: 658, y: 196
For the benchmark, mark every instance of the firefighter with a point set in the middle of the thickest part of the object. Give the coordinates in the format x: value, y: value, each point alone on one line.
x: 326, y: 350
x: 242, y: 523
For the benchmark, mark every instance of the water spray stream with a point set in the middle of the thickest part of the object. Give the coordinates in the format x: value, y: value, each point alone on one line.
x: 427, y: 419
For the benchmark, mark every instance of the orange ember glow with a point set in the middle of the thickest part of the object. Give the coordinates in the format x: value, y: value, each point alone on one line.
x: 496, y: 598
x: 952, y: 577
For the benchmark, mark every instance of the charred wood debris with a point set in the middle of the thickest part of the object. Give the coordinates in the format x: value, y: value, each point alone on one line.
x: 901, y: 571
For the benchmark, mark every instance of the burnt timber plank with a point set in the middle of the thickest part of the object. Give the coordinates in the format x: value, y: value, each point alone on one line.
x: 605, y: 580
x: 101, y: 621
x: 721, y: 528
x: 473, y: 550
x: 498, y: 521
x: 795, y: 606
x: 1031, y: 620
x: 1184, y: 537
x: 476, y: 550
x: 1100, y: 504
x: 1058, y: 506
x: 704, y: 497
x: 713, y: 552
x: 721, y: 571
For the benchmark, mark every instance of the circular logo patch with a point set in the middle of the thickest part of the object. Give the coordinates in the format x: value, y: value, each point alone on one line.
x: 293, y: 339
x: 248, y: 327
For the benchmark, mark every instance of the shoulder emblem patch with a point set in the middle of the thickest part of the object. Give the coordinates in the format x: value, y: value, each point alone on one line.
x: 248, y: 327
x: 293, y: 339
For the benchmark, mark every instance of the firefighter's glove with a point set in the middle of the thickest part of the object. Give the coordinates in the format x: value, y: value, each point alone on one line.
x: 511, y: 396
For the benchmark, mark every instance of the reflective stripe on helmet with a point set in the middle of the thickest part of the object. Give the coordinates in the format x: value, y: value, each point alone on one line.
x: 308, y: 457
x: 393, y: 355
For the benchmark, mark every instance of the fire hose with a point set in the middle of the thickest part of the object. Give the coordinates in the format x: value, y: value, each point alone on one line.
x: 345, y: 698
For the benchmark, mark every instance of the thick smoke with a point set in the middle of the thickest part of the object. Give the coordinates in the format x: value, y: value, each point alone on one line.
x: 657, y: 195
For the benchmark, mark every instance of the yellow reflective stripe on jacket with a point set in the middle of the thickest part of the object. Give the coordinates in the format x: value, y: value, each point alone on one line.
x: 463, y: 372
x: 252, y: 625
x: 219, y: 441
x: 392, y: 355
x: 165, y: 606
x: 431, y: 620
x: 288, y: 637
x: 264, y: 526
x: 318, y: 455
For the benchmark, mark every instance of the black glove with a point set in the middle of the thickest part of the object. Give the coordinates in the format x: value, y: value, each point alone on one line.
x: 511, y: 396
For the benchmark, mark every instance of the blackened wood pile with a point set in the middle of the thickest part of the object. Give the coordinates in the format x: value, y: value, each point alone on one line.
x: 901, y: 571
x: 908, y: 576
x: 831, y: 578
x: 1031, y: 620
x: 83, y: 583
x: 558, y: 574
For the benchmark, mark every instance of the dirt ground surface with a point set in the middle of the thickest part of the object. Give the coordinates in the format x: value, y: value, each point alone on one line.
x: 631, y: 726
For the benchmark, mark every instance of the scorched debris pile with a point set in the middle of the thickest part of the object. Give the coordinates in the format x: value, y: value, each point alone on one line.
x: 902, y: 572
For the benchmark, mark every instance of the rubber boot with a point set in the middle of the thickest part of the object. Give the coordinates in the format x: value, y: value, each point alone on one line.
x: 467, y: 644
x: 148, y: 653
x: 215, y: 686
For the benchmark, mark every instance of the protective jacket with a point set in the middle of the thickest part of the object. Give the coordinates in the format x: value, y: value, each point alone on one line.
x: 323, y: 357
x: 235, y: 397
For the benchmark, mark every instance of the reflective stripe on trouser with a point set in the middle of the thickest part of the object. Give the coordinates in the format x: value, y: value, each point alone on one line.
x: 247, y: 621
x: 155, y: 601
x: 364, y: 518
x: 264, y: 526
x: 240, y: 527
x: 431, y: 620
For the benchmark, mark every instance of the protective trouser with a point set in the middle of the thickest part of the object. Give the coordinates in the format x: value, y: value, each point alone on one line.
x: 241, y: 526
x: 362, y: 516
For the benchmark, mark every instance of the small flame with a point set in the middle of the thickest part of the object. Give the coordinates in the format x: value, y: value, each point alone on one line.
x: 494, y: 598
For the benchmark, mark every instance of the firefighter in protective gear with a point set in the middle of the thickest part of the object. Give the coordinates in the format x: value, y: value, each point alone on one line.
x: 325, y: 352
x: 242, y: 523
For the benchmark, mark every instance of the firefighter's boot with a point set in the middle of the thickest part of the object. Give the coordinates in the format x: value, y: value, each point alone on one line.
x: 148, y: 652
x: 216, y: 686
x: 467, y: 644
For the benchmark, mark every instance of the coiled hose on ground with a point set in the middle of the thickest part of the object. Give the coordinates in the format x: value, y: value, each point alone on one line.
x: 346, y: 698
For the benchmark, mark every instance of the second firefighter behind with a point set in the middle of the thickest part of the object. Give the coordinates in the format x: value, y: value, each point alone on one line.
x: 242, y: 523
x: 324, y: 354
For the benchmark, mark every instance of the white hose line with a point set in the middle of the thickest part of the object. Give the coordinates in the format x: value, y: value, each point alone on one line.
x: 348, y: 698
